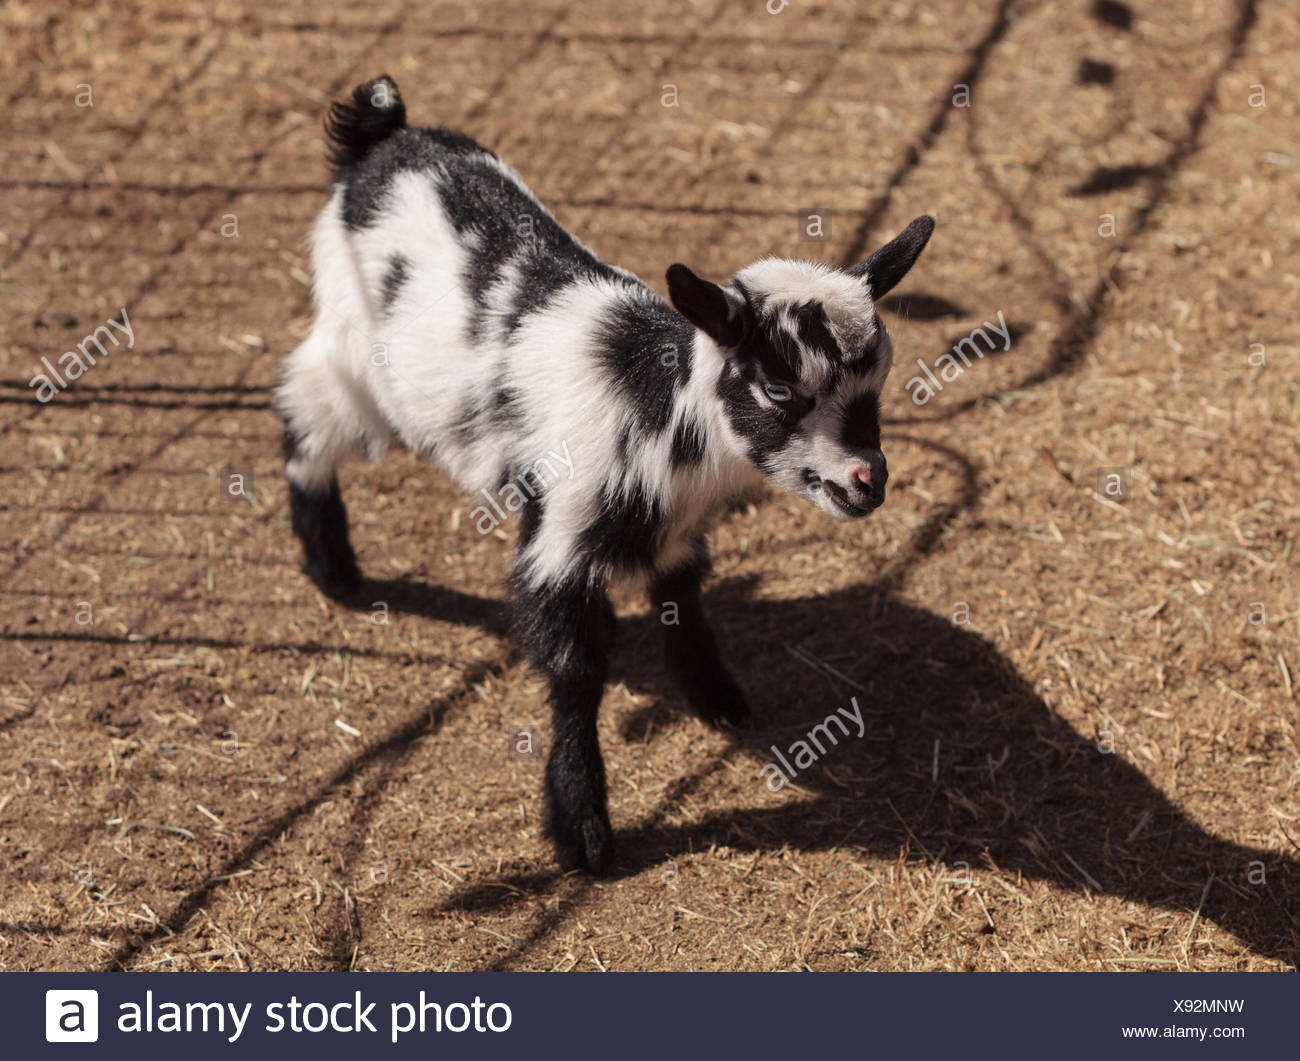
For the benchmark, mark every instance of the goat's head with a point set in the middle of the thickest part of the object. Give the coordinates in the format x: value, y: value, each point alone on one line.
x: 805, y: 358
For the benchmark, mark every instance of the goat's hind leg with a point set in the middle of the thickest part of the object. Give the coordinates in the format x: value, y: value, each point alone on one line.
x: 320, y: 520
x: 314, y: 440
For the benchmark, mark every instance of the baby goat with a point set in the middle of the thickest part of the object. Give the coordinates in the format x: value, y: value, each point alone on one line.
x: 457, y: 315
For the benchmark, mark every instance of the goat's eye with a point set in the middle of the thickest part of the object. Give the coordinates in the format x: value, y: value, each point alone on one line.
x: 778, y: 392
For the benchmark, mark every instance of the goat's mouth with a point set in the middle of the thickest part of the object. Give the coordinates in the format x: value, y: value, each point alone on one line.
x: 846, y: 506
x: 841, y: 503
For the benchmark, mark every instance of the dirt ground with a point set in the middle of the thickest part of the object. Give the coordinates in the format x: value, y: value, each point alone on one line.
x: 1073, y: 630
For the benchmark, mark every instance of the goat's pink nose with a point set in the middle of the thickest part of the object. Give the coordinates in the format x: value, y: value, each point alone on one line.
x: 860, y: 473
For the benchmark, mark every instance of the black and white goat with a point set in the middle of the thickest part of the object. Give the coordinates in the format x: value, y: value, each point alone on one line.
x: 457, y: 315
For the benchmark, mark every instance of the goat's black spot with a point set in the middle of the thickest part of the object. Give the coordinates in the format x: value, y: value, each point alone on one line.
x: 764, y: 430
x: 497, y: 221
x: 772, y: 350
x: 531, y: 479
x: 624, y: 443
x: 780, y: 355
x: 530, y: 519
x: 541, y: 278
x: 468, y: 426
x: 861, y: 426
x: 688, y: 443
x: 626, y: 533
x: 500, y: 224
x: 501, y: 412
x: 397, y: 273
x: 289, y: 443
x: 506, y: 412
x: 366, y: 182
x: 482, y: 270
x: 764, y: 343
x: 814, y: 333
x: 634, y: 343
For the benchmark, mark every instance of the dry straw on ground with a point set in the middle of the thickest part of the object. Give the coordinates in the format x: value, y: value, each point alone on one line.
x: 1081, y: 747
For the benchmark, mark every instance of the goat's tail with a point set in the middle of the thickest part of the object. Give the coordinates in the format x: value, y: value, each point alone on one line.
x: 355, y: 126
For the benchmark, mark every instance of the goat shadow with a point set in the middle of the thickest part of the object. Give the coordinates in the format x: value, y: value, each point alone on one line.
x: 1017, y: 788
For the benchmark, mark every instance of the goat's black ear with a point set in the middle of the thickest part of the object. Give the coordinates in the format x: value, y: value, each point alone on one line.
x: 706, y: 306
x: 884, y: 269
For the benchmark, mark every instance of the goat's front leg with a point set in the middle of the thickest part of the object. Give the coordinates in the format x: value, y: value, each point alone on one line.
x: 692, y: 650
x: 562, y: 629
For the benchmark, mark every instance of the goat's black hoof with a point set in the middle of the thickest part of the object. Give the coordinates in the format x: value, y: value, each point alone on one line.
x: 341, y: 582
x: 719, y: 702
x: 583, y: 840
